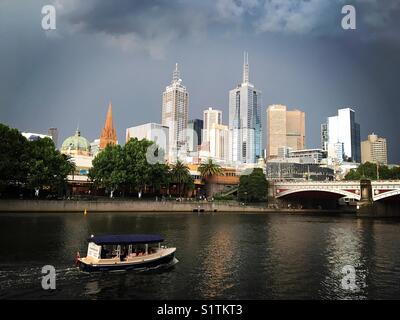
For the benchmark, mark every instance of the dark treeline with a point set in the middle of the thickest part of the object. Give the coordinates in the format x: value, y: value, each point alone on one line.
x: 31, y: 167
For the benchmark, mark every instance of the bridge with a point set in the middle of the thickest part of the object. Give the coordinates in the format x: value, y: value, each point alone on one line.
x: 356, y: 190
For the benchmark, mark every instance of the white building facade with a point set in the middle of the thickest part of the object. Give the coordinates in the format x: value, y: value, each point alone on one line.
x: 342, y: 129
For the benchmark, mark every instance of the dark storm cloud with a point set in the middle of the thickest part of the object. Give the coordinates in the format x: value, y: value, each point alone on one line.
x: 125, y: 51
x: 153, y: 18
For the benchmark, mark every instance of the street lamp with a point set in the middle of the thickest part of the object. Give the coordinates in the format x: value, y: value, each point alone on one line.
x: 245, y: 193
x: 377, y: 170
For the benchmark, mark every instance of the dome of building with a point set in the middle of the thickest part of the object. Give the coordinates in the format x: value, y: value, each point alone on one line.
x: 76, y: 145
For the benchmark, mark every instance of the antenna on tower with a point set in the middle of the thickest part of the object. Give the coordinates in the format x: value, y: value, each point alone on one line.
x: 175, y: 74
x: 245, y: 67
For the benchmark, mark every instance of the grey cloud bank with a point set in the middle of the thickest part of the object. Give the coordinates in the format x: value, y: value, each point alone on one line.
x: 125, y: 51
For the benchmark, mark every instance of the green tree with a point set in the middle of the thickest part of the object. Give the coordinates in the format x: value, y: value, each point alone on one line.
x: 369, y: 170
x: 352, y: 175
x: 14, y: 158
x: 395, y: 173
x: 207, y: 170
x: 138, y: 169
x: 48, y: 168
x: 253, y: 187
x: 180, y: 175
x: 108, y: 168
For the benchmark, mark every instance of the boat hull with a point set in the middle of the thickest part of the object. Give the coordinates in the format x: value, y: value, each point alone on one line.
x: 152, y: 264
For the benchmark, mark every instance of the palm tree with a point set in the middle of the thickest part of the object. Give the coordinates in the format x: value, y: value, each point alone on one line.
x: 180, y: 174
x: 207, y: 170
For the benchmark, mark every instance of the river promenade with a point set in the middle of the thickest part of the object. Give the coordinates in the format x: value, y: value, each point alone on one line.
x: 144, y: 206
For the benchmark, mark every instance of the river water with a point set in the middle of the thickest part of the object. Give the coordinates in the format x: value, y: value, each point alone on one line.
x: 221, y: 256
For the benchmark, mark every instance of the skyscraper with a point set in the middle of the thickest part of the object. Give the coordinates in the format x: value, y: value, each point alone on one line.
x: 175, y: 103
x: 215, y: 135
x: 108, y: 134
x: 284, y: 129
x: 211, y: 117
x: 195, y: 127
x: 245, y: 120
x: 53, y: 132
x: 374, y: 150
x: 343, y: 129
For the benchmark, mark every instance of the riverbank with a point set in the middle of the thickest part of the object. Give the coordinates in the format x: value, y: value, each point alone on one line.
x: 142, y: 206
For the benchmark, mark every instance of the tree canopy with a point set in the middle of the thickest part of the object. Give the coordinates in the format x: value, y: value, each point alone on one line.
x: 127, y: 168
x: 253, y: 187
x: 370, y: 170
x: 31, y: 164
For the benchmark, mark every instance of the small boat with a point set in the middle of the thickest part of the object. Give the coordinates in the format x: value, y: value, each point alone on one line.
x: 125, y: 252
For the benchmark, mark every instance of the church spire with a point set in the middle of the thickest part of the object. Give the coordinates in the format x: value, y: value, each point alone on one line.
x: 108, y: 134
x: 245, y: 67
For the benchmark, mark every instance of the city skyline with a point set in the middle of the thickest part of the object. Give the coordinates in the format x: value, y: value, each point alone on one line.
x: 68, y: 76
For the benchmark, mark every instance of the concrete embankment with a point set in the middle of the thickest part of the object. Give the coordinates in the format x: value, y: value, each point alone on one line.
x: 138, y: 206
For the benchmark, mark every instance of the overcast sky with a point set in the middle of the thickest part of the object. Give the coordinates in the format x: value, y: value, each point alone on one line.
x: 124, y: 51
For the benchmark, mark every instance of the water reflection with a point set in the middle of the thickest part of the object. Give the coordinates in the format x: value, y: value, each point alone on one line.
x: 221, y: 256
x: 344, y: 247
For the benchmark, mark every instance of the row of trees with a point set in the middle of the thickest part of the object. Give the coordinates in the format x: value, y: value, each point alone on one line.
x: 31, y: 165
x: 371, y: 170
x: 128, y: 169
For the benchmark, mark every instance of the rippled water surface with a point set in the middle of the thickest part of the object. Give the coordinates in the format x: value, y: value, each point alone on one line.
x: 221, y: 256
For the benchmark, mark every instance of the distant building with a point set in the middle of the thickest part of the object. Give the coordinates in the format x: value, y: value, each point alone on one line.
x: 211, y: 117
x: 343, y: 129
x: 374, y: 150
x: 195, y: 127
x: 35, y: 136
x: 336, y: 153
x: 151, y: 131
x: 108, y: 134
x: 245, y: 120
x: 175, y: 104
x: 284, y: 129
x: 308, y: 155
x: 297, y: 171
x: 53, y: 132
x: 324, y: 137
x: 78, y: 148
x: 95, y: 147
x: 283, y: 152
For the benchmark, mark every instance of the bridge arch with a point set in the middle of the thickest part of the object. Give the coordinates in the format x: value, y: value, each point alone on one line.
x: 385, y: 195
x: 280, y: 193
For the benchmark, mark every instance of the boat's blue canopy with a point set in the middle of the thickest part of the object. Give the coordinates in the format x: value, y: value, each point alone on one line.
x: 126, y: 239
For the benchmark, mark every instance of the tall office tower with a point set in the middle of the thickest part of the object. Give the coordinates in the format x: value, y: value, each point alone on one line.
x: 245, y: 120
x: 374, y: 150
x: 343, y: 129
x: 175, y: 103
x: 211, y: 117
x: 53, y: 132
x: 108, y: 134
x: 194, y: 134
x: 219, y: 142
x: 284, y: 129
x: 324, y: 136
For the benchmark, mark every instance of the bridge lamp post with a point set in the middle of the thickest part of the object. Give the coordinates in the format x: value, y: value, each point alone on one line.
x: 377, y: 170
